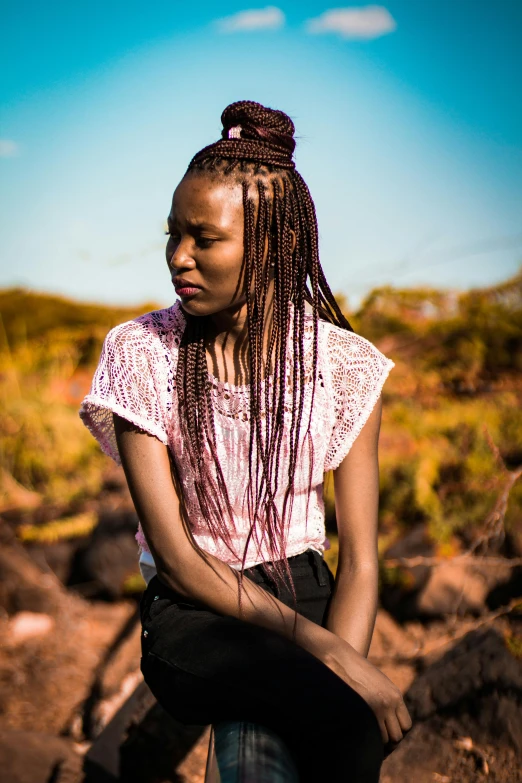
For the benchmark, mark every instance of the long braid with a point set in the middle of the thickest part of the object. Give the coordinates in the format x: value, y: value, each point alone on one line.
x: 260, y: 160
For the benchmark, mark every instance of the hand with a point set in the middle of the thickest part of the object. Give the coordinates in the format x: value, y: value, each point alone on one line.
x: 379, y: 692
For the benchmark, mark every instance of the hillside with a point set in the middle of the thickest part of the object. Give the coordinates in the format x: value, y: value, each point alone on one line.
x: 448, y: 630
x: 452, y: 413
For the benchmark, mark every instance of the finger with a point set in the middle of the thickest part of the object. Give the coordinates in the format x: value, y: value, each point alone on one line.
x: 393, y: 727
x: 384, y: 731
x: 404, y: 717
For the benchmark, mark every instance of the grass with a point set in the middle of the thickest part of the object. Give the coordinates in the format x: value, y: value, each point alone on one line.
x: 452, y: 416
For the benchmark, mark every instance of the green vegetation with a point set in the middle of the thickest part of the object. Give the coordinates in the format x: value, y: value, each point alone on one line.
x: 452, y: 420
x: 49, y: 347
x: 69, y: 527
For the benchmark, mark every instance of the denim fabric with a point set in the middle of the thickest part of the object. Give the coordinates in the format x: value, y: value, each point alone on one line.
x: 204, y: 667
x: 250, y: 752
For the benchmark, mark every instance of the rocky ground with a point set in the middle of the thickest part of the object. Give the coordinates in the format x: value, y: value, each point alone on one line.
x: 74, y: 707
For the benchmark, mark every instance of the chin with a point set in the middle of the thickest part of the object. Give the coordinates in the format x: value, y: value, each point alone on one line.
x: 191, y: 308
x: 197, y: 307
x: 194, y: 307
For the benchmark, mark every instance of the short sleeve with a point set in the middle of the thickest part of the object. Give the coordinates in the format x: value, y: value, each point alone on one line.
x: 357, y: 371
x: 124, y: 383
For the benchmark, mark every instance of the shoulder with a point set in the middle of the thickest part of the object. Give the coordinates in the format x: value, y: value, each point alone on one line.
x: 338, y: 346
x: 149, y: 329
x: 337, y: 335
x: 345, y: 345
x: 357, y: 369
x: 167, y: 320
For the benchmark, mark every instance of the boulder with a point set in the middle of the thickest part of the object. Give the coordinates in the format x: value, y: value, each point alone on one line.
x: 101, y: 567
x: 466, y: 710
x: 400, y: 599
x: 479, y: 683
x: 454, y: 586
x: 28, y: 625
x: 33, y: 757
x: 462, y: 587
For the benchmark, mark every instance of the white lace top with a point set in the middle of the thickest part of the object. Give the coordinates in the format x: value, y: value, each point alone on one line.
x: 135, y: 379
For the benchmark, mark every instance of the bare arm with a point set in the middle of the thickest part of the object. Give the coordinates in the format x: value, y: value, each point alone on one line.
x: 179, y: 563
x: 356, y: 485
x: 181, y: 566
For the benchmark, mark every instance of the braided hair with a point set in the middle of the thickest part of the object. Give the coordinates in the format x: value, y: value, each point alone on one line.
x: 256, y: 151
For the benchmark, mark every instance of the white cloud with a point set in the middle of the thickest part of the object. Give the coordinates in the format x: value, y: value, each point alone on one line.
x: 269, y: 18
x: 364, y: 22
x: 8, y: 148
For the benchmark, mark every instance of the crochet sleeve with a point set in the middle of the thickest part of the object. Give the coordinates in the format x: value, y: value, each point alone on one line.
x: 124, y: 383
x: 358, y: 372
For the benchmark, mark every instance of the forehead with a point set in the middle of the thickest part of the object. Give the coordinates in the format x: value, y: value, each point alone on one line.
x: 203, y: 199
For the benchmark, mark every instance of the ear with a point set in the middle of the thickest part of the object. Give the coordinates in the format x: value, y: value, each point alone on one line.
x: 294, y: 242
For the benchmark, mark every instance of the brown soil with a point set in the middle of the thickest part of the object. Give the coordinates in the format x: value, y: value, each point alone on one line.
x: 72, y: 700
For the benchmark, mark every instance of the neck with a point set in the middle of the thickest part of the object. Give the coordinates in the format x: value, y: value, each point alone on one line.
x: 228, y: 343
x: 230, y: 325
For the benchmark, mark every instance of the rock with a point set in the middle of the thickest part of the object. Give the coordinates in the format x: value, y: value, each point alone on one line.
x: 118, y: 675
x: 460, y: 587
x: 478, y: 683
x: 401, y: 599
x: 390, y: 649
x: 28, y: 625
x: 45, y: 681
x: 434, y: 752
x: 23, y: 586
x: 514, y: 539
x: 122, y: 662
x: 465, y: 709
x: 144, y: 744
x: 58, y: 556
x: 194, y: 765
x: 452, y: 586
x: 503, y: 591
x: 33, y: 757
x: 109, y: 557
x: 389, y: 639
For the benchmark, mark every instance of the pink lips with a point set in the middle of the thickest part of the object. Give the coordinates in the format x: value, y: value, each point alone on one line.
x: 187, y: 291
x: 184, y: 288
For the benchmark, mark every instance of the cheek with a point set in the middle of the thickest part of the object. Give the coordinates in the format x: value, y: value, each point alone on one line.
x: 227, y: 263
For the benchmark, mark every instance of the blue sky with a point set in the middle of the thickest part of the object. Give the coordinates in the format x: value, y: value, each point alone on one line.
x: 408, y: 116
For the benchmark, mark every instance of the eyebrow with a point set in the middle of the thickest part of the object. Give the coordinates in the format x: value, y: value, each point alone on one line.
x: 197, y: 224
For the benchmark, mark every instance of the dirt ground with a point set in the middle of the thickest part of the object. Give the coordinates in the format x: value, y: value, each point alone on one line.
x: 74, y: 708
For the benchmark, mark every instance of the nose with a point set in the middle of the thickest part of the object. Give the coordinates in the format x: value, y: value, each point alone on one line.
x: 181, y: 257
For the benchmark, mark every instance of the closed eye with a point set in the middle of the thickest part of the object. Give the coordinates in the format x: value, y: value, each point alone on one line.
x: 204, y: 242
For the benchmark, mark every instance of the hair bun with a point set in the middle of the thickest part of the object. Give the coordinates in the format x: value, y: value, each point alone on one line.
x: 259, y: 123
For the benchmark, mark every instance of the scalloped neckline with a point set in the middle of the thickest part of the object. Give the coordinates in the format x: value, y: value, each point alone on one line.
x: 231, y: 386
x: 178, y: 310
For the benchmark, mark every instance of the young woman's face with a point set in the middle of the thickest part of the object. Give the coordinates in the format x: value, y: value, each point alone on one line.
x: 205, y: 247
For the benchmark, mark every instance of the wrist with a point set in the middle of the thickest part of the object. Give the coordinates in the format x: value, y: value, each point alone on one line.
x: 324, y: 644
x: 356, y: 638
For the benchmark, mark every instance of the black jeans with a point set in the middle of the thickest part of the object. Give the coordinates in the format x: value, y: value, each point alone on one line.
x: 204, y: 667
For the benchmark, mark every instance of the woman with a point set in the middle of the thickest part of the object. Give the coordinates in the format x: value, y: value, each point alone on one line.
x: 225, y: 411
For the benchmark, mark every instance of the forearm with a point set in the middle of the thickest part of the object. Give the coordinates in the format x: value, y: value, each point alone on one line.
x: 182, y: 566
x: 353, y: 607
x: 214, y: 583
